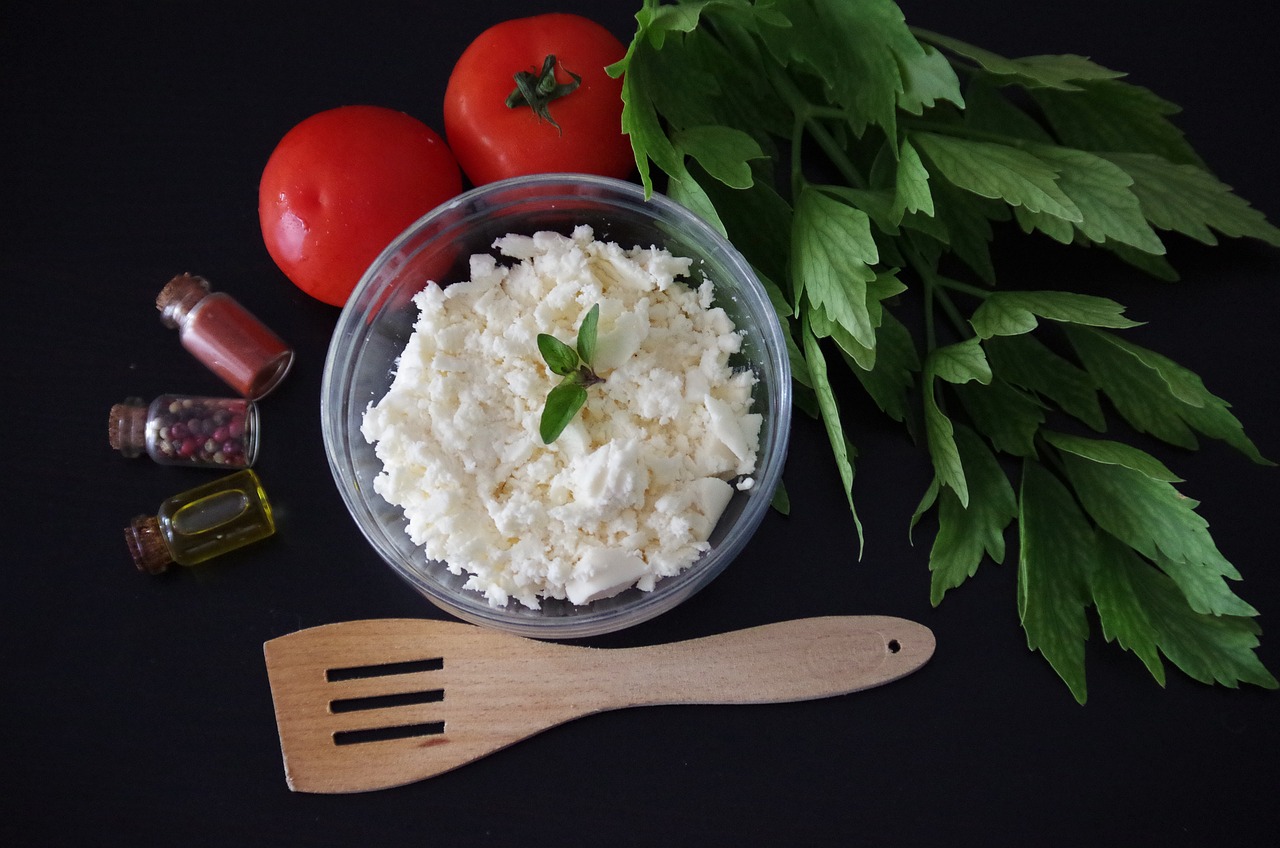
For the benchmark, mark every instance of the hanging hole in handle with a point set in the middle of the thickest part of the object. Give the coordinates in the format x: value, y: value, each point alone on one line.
x: 894, y: 646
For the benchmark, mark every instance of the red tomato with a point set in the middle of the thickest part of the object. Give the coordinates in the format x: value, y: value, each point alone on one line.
x: 341, y: 185
x: 493, y: 141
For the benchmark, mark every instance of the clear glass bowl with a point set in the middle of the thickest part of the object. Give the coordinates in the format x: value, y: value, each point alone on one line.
x: 378, y: 319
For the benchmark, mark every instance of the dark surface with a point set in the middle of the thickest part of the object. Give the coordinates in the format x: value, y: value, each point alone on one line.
x: 136, y: 710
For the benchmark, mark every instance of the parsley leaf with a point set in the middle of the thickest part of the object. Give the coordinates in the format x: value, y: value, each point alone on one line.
x: 1057, y: 547
x: 999, y: 172
x: 968, y: 534
x: 1191, y: 201
x: 1011, y: 313
x: 1158, y: 396
x: 1055, y: 72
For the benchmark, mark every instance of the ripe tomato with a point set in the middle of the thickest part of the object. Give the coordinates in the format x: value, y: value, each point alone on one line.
x: 584, y: 131
x: 341, y: 185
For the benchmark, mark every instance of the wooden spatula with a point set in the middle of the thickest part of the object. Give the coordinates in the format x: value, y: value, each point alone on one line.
x: 366, y: 705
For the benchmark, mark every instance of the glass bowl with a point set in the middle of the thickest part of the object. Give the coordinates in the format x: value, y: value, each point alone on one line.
x: 378, y: 319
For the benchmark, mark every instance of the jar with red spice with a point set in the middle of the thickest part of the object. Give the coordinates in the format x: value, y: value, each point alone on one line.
x: 225, y: 336
x: 186, y: 430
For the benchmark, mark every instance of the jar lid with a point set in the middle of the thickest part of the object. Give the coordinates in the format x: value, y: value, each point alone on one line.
x: 126, y: 427
x: 146, y: 545
x: 179, y: 296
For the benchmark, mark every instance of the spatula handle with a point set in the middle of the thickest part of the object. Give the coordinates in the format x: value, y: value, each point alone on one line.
x: 787, y: 661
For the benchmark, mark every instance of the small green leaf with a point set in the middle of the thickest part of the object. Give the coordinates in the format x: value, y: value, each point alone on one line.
x: 967, y: 534
x: 587, y: 332
x: 1190, y: 200
x: 960, y: 362
x: 990, y: 110
x: 1143, y: 605
x: 1124, y: 617
x: 1103, y: 193
x: 912, y: 184
x: 896, y: 365
x: 758, y: 222
x: 1054, y: 71
x: 884, y: 286
x: 667, y: 19
x: 641, y: 73
x: 855, y: 49
x: 830, y: 413
x: 966, y: 218
x: 1009, y: 313
x: 1108, y: 115
x: 876, y: 203
x: 927, y: 77
x: 1158, y: 522
x: 955, y: 363
x: 724, y: 152
x: 1008, y: 416
x: 1112, y: 453
x: 684, y: 188
x: 997, y: 171
x: 560, y: 358
x: 940, y: 437
x: 832, y: 252
x: 781, y: 500
x: 825, y: 328
x: 1157, y: 395
x: 563, y: 402
x: 1027, y: 362
x: 1057, y: 550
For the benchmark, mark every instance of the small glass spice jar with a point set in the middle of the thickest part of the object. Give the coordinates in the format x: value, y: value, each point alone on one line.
x: 224, y: 336
x: 185, y: 430
x: 201, y: 523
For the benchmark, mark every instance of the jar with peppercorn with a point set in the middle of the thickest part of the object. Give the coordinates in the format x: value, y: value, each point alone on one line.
x: 187, y: 430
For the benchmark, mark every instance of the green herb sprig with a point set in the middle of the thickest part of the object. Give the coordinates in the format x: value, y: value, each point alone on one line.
x: 852, y: 158
x: 574, y: 365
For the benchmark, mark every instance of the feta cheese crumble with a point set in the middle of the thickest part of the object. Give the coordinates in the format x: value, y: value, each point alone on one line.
x: 631, y: 490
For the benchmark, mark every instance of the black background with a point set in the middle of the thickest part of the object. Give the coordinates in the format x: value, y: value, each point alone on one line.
x: 135, y: 710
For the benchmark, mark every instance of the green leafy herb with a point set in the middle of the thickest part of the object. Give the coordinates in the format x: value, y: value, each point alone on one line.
x: 573, y: 364
x: 852, y: 158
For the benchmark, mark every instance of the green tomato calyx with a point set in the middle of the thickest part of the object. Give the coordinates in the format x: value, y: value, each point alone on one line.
x: 537, y: 91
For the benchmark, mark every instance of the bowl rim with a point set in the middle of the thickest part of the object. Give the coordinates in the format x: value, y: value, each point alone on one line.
x: 594, y: 619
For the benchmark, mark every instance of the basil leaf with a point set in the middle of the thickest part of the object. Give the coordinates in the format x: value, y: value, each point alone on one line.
x: 560, y: 358
x: 563, y: 402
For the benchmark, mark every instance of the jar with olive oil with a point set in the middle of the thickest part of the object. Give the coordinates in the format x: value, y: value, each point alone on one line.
x: 201, y: 523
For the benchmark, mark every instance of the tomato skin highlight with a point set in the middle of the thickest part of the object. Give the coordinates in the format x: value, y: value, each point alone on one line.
x: 493, y: 141
x: 341, y: 185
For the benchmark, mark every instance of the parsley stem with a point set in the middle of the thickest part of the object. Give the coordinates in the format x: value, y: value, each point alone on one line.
x: 948, y: 306
x: 963, y: 131
x: 930, y: 334
x: 807, y: 117
x: 936, y: 295
x: 966, y: 288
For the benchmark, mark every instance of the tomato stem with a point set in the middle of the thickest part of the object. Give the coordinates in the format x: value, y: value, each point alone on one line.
x: 538, y: 90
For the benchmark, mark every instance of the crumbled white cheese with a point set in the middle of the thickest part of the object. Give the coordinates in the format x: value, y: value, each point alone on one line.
x: 632, y: 489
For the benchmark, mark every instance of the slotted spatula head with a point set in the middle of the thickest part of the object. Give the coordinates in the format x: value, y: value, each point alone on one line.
x: 364, y: 705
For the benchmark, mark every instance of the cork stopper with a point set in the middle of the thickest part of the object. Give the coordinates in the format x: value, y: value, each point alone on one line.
x: 127, y: 427
x: 179, y: 296
x: 146, y: 545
